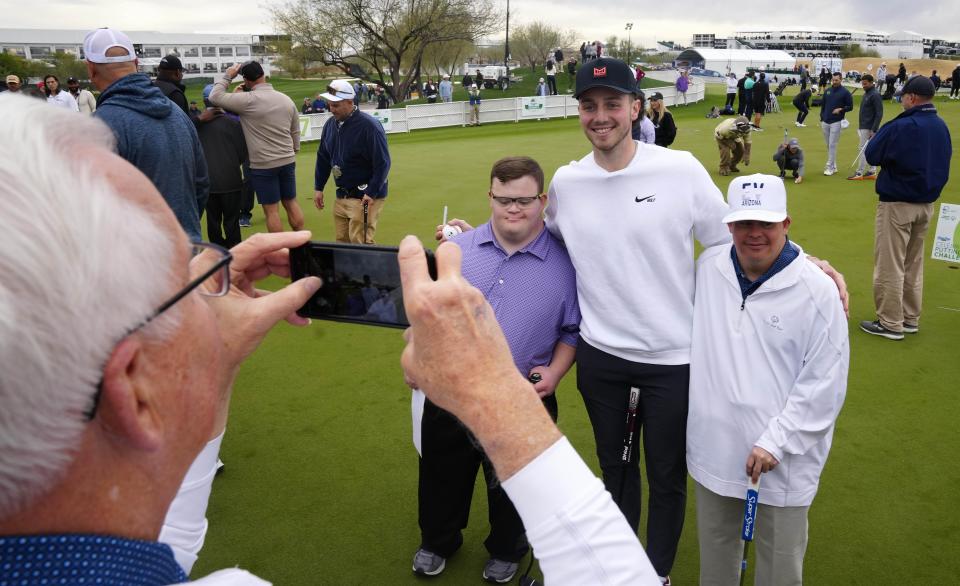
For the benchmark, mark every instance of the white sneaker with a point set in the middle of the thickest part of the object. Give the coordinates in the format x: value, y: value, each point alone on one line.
x: 828, y: 171
x: 802, y: 125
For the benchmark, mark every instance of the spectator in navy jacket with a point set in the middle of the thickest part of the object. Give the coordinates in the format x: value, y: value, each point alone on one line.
x: 913, y: 151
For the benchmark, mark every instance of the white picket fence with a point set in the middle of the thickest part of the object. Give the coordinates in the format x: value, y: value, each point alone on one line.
x: 439, y: 115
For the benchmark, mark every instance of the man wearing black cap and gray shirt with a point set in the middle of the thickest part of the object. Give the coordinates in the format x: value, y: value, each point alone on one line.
x: 871, y: 113
x: 353, y: 148
x: 85, y: 100
x: 169, y: 76
x: 271, y: 126
x: 789, y: 156
x: 913, y: 151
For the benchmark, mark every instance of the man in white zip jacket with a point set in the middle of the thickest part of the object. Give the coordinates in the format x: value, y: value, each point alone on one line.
x: 768, y: 375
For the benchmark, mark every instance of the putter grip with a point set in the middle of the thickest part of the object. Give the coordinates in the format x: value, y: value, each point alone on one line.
x: 750, y: 511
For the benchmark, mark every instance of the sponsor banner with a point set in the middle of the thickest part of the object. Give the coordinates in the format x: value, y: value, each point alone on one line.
x: 534, y: 106
x: 385, y: 117
x: 946, y: 242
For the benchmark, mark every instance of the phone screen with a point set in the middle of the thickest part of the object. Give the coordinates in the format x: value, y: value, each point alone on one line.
x: 361, y: 284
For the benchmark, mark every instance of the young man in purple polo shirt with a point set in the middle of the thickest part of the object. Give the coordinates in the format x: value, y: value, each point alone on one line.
x: 526, y: 275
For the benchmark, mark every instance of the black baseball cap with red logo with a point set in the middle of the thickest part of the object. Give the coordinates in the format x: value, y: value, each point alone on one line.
x: 605, y: 72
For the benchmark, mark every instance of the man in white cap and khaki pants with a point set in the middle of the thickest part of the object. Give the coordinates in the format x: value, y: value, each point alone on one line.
x: 768, y: 375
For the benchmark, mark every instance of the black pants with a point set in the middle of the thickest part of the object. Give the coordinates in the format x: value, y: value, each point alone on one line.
x: 223, y: 209
x: 748, y: 107
x: 954, y: 89
x: 787, y: 163
x: 552, y: 84
x: 802, y: 113
x: 742, y: 102
x: 803, y: 84
x: 246, y: 194
x: 604, y: 382
x: 730, y: 99
x: 448, y: 471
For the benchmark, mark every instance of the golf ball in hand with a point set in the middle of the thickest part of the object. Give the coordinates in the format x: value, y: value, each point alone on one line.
x: 451, y: 231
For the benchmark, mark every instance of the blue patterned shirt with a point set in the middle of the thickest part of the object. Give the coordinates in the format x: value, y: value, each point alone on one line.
x: 533, y: 292
x: 35, y: 560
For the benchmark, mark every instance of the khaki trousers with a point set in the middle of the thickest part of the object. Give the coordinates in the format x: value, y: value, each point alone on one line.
x: 779, y: 540
x: 348, y: 220
x: 898, y: 262
x: 731, y: 152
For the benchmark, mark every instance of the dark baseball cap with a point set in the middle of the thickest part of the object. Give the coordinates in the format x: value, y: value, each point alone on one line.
x: 605, y: 72
x: 251, y: 71
x: 656, y: 96
x: 920, y: 86
x: 171, y: 62
x: 72, y: 80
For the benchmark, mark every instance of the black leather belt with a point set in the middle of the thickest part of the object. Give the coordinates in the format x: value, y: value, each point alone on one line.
x: 349, y: 193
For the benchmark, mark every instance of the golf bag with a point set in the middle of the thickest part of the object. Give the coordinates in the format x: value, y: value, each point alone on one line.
x: 780, y: 88
x: 727, y: 111
x: 816, y: 102
x: 714, y: 112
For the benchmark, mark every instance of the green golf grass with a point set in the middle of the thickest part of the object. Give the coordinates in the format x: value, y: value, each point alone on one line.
x: 320, y: 484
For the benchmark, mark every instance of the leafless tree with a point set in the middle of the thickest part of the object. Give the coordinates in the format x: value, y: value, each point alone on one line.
x: 532, y: 43
x: 382, y: 41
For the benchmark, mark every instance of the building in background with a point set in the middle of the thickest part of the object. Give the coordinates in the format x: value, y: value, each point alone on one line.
x: 202, y: 55
x: 805, y: 43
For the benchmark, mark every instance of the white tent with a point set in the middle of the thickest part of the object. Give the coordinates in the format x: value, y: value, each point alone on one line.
x: 735, y: 60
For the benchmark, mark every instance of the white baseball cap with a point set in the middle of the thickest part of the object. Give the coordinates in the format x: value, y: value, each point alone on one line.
x: 99, y: 41
x: 339, y: 90
x: 756, y: 197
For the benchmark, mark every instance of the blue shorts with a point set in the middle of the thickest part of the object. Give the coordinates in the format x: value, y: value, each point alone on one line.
x: 273, y: 184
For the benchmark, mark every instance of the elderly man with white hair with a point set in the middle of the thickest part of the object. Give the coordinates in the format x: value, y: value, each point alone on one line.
x: 119, y: 344
x: 113, y: 346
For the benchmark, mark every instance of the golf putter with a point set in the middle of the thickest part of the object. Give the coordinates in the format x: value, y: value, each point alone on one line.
x: 749, y: 523
x: 627, y: 454
x: 365, y: 210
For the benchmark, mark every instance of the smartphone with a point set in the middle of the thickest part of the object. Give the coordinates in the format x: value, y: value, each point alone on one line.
x: 361, y: 283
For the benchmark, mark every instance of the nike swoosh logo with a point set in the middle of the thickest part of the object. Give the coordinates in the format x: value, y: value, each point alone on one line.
x: 639, y: 199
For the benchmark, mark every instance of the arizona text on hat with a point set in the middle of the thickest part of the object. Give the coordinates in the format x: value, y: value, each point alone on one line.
x: 98, y: 42
x: 756, y: 197
x: 339, y: 90
x: 605, y: 72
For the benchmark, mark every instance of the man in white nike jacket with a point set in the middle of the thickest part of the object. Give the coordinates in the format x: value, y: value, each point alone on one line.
x: 768, y: 375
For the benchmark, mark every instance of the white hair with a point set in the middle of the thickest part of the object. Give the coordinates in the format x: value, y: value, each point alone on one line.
x: 80, y: 267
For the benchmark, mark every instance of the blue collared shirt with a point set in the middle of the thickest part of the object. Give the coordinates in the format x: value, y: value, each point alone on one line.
x: 33, y: 560
x: 533, y: 292
x: 747, y: 287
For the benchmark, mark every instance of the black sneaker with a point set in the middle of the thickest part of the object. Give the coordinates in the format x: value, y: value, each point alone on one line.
x: 427, y: 563
x: 783, y: 174
x: 499, y: 571
x: 874, y: 327
x: 910, y: 328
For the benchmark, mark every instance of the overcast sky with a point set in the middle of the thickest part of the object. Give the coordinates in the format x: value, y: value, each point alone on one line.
x: 663, y: 20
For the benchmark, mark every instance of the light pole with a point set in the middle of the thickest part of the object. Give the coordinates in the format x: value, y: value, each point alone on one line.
x: 506, y: 49
x: 628, y: 28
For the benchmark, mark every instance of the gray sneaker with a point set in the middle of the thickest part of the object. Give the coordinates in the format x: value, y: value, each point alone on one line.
x: 910, y: 328
x: 499, y: 571
x: 874, y: 327
x: 427, y: 563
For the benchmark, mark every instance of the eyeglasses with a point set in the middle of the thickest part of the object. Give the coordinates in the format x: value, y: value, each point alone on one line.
x: 212, y: 262
x: 522, y: 202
